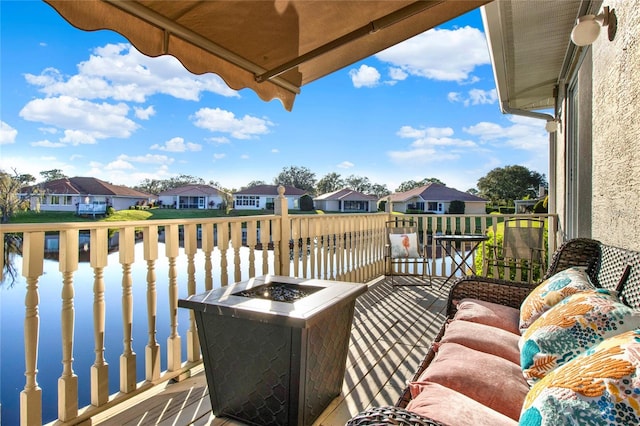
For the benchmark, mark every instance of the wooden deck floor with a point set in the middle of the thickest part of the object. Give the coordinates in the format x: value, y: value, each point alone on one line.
x: 392, y: 329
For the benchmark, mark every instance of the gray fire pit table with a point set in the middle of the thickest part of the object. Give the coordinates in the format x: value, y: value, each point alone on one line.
x: 275, y: 348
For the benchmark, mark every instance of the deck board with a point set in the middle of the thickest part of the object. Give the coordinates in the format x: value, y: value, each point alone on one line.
x: 391, y: 332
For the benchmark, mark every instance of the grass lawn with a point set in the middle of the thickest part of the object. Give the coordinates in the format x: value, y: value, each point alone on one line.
x: 132, y: 215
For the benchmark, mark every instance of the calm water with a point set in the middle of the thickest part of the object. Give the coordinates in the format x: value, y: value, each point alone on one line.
x: 12, y: 311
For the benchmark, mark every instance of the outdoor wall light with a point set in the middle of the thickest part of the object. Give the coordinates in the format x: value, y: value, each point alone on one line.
x: 587, y: 27
x: 551, y: 126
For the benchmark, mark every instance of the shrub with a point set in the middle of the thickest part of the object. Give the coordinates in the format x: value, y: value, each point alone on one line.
x: 306, y: 203
x: 541, y: 205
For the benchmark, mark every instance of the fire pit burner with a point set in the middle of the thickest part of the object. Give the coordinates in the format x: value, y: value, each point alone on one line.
x: 273, y: 363
x: 279, y: 292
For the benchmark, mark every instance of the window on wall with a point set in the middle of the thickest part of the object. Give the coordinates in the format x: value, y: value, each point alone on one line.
x: 248, y: 200
x: 60, y: 200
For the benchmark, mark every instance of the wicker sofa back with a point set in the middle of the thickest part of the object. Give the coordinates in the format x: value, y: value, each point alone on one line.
x: 608, y: 267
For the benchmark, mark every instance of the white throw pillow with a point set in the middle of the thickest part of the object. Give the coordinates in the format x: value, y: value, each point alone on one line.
x: 404, y: 246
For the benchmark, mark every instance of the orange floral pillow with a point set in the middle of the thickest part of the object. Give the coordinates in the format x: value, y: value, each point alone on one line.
x: 599, y: 387
x: 551, y: 291
x: 571, y: 327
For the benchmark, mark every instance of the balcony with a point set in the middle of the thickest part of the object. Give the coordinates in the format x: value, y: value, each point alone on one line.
x: 105, y: 307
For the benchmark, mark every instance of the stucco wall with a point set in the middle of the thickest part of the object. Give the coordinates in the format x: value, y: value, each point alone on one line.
x: 616, y: 130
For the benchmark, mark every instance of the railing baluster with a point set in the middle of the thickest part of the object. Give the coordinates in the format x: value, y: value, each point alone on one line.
x: 295, y: 250
x: 99, y: 247
x: 172, y: 245
x: 32, y: 268
x: 68, y: 381
x: 152, y: 350
x: 236, y: 243
x: 126, y: 250
x: 265, y: 225
x: 190, y: 249
x: 340, y: 240
x: 277, y: 253
x: 207, y: 248
x: 251, y: 243
x: 334, y: 228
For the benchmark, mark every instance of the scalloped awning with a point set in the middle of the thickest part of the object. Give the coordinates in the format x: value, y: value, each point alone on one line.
x: 272, y: 47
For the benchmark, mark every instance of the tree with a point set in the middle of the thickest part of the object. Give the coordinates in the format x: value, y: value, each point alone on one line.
x: 360, y: 184
x: 10, y: 185
x: 329, y: 183
x: 411, y: 184
x: 156, y: 186
x: 379, y: 190
x: 53, y: 174
x: 182, y: 180
x: 298, y: 177
x: 151, y: 186
x: 254, y: 183
x: 502, y: 185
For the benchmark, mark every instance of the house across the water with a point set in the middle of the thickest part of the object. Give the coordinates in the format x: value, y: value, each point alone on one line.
x: 83, y: 195
x: 434, y: 198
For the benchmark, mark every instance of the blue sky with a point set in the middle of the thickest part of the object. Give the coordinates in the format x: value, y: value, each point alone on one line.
x: 89, y: 104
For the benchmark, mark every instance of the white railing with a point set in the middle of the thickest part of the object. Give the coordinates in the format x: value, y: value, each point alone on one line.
x: 159, y: 262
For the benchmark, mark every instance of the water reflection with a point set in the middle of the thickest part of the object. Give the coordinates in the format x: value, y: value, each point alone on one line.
x: 12, y: 313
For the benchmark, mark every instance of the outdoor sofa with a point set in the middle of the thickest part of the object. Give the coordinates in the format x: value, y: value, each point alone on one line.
x: 555, y: 352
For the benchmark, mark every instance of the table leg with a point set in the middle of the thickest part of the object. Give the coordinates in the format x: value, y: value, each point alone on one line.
x: 459, y: 265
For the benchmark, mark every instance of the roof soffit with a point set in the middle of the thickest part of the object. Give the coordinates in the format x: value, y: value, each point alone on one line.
x: 529, y: 43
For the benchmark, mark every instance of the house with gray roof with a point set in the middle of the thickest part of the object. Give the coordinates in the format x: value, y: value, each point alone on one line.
x: 434, y: 198
x: 83, y: 195
x: 346, y: 200
x: 193, y: 196
x: 261, y: 197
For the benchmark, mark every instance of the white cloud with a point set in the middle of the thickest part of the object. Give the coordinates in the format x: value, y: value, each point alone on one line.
x: 120, y: 72
x: 397, y: 74
x: 454, y: 97
x: 219, y: 140
x: 275, y: 150
x: 419, y: 156
x: 119, y: 164
x: 93, y: 120
x: 432, y: 132
x: 524, y: 133
x: 33, y: 164
x: 48, y: 144
x: 78, y: 137
x: 144, y: 113
x: 345, y: 165
x: 365, y: 76
x: 430, y: 145
x: 478, y: 96
x: 219, y: 120
x: 474, y: 97
x: 219, y: 156
x: 147, y: 159
x: 440, y: 54
x: 177, y: 144
x: 244, y: 157
x: 7, y: 133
